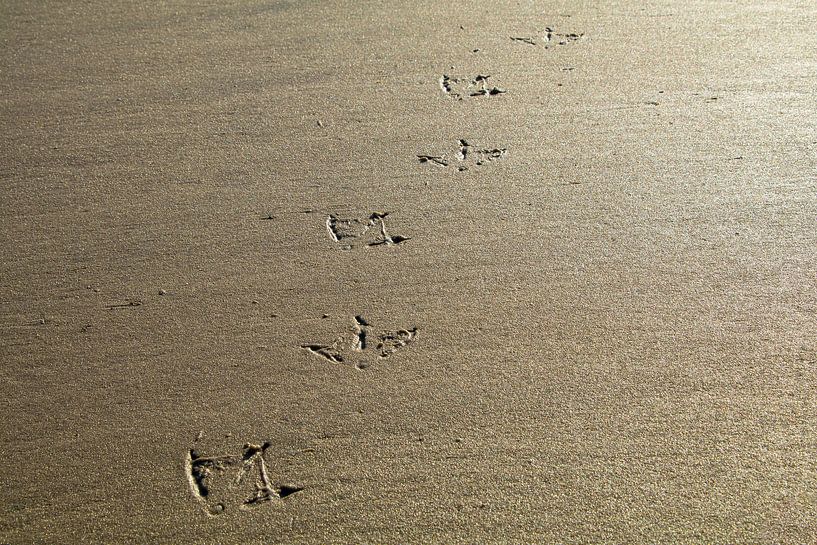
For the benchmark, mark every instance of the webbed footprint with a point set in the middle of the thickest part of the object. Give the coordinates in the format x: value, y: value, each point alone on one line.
x: 391, y: 342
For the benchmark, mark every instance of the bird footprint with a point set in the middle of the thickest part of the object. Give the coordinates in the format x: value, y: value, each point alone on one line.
x: 465, y: 156
x: 371, y: 229
x: 460, y: 88
x: 548, y: 38
x: 360, y: 344
x: 225, y: 482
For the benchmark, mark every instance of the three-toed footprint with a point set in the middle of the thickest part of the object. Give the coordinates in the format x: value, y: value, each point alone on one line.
x: 369, y: 231
x: 460, y: 88
x: 359, y: 346
x: 227, y: 482
x: 464, y: 156
x: 548, y: 38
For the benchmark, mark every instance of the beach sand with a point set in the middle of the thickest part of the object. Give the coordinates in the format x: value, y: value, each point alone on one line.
x: 299, y: 272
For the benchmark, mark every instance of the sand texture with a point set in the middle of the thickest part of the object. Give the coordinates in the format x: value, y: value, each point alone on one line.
x: 408, y: 272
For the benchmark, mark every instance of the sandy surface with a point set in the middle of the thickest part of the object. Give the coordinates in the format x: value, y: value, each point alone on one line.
x: 241, y: 300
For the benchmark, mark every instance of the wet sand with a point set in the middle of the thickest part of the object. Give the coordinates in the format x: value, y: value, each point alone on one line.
x: 296, y: 272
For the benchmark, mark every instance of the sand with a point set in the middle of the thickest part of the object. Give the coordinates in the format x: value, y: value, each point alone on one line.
x: 298, y: 272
